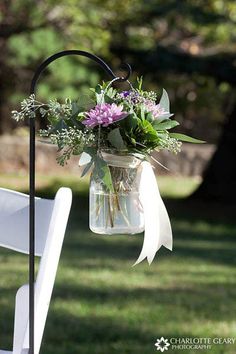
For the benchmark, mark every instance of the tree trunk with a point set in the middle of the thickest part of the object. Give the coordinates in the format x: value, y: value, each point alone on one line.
x: 219, y: 178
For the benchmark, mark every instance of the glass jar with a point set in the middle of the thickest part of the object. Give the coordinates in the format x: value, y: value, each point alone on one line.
x: 118, y: 212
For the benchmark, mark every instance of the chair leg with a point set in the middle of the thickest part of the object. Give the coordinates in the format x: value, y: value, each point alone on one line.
x: 21, y: 339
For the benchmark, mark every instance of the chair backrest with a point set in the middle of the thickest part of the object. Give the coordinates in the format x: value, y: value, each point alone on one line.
x: 51, y: 218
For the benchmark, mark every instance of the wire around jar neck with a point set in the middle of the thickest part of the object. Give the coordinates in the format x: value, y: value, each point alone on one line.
x: 122, y: 159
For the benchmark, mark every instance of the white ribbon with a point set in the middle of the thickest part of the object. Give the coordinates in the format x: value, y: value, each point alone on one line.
x: 157, y: 223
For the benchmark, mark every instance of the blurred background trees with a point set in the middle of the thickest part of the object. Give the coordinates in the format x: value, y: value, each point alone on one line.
x: 188, y: 47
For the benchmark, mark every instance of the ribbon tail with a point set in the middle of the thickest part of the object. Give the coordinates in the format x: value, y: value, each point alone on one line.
x: 151, y: 234
x: 150, y: 201
x: 166, y: 238
x: 141, y: 258
x: 157, y: 223
x: 165, y: 229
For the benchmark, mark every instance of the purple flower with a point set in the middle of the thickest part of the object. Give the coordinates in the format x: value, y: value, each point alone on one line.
x: 155, y: 109
x: 131, y: 96
x: 104, y: 114
x: 125, y: 93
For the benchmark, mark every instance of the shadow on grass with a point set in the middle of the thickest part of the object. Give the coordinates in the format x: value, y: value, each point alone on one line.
x: 7, y: 317
x: 182, y: 300
x: 203, y: 235
x: 97, y: 334
x: 217, y: 227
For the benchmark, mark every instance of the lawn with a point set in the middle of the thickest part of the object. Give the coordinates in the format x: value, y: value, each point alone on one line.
x: 101, y: 305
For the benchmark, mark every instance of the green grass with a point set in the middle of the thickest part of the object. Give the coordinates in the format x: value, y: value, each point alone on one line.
x: 102, y: 305
x: 173, y: 187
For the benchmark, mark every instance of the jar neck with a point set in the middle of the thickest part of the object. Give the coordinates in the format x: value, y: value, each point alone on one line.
x: 121, y: 159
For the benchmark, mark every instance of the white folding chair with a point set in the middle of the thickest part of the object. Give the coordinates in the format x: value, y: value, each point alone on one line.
x: 51, y: 218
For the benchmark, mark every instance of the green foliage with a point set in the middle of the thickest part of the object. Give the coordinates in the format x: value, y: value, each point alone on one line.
x: 188, y: 139
x: 87, y: 168
x: 116, y: 140
x: 102, y: 172
x: 165, y: 102
x: 30, y: 48
x: 164, y: 125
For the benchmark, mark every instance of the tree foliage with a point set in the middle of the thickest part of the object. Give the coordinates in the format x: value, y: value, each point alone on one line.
x: 186, y: 46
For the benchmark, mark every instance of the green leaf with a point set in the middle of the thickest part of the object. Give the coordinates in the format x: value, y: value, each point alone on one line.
x: 164, y: 125
x: 129, y: 123
x: 76, y: 123
x: 164, y: 116
x: 74, y: 108
x: 149, y: 117
x: 111, y: 92
x: 143, y: 113
x: 186, y: 138
x: 84, y: 159
x: 98, y: 94
x: 92, y: 151
x: 61, y: 124
x: 116, y: 139
x: 83, y: 103
x: 140, y: 83
x: 87, y: 168
x: 98, y: 89
x: 162, y: 134
x: 147, y: 128
x: 164, y: 101
x: 103, y: 172
x: 108, y: 99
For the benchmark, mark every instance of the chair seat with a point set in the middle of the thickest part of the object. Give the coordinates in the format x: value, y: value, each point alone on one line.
x: 8, y: 352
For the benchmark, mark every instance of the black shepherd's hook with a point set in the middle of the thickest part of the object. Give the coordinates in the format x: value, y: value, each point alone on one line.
x: 34, y: 81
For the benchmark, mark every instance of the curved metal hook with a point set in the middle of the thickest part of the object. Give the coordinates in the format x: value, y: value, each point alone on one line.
x: 129, y: 72
x: 63, y: 53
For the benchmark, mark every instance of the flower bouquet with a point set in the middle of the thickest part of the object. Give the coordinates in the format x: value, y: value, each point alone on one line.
x: 114, y: 132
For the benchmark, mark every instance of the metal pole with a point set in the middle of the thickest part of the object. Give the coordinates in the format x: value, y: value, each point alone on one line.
x: 32, y: 236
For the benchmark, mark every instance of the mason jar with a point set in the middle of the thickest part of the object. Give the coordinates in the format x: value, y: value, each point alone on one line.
x: 118, y: 211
